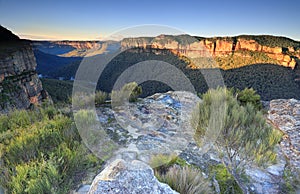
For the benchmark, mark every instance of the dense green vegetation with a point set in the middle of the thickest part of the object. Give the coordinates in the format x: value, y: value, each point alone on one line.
x: 59, y: 90
x: 243, y: 58
x: 264, y: 40
x: 241, y: 134
x: 270, y: 81
x: 41, y: 152
x: 272, y: 41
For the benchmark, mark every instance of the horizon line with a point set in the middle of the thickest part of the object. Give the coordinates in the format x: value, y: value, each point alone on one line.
x: 41, y: 38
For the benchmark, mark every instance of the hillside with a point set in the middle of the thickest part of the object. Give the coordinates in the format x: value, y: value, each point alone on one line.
x: 48, y: 63
x: 271, y: 81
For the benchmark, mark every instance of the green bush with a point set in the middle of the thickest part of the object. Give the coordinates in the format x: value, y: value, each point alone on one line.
x: 225, y: 180
x: 161, y: 162
x: 3, y: 123
x: 248, y: 95
x: 291, y: 182
x: 19, y: 119
x: 36, y: 177
x: 240, y: 133
x: 100, y: 97
x: 129, y: 92
x: 82, y: 100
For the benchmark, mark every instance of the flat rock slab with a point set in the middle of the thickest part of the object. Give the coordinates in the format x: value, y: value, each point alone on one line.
x: 128, y: 178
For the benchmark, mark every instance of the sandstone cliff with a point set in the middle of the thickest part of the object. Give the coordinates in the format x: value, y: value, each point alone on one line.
x: 281, y: 51
x: 20, y: 86
x: 80, y: 44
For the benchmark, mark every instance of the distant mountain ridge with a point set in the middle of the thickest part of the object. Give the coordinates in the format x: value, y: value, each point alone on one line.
x: 67, y: 48
x: 269, y: 49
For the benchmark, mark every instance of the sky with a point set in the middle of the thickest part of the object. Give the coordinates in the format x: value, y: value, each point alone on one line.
x: 98, y: 19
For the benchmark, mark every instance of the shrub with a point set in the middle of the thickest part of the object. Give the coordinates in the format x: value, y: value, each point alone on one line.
x: 129, y: 92
x: 225, y: 179
x: 240, y: 133
x: 36, y: 177
x: 42, y: 155
x: 161, y: 162
x: 100, y: 97
x: 19, y: 119
x: 3, y: 123
x: 83, y: 100
x: 291, y: 180
x: 248, y: 95
x: 185, y: 179
x: 85, y: 118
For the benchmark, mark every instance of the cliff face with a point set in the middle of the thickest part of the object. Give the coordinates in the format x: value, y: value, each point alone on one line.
x: 217, y: 47
x: 20, y: 86
x: 80, y: 44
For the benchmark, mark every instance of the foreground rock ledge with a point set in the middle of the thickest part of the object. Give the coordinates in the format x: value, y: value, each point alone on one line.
x: 132, y: 177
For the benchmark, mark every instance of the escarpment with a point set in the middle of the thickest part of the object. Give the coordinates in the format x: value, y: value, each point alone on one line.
x: 20, y: 86
x: 260, y: 49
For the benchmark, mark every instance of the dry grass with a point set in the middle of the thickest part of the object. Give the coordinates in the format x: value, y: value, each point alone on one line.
x: 187, y: 180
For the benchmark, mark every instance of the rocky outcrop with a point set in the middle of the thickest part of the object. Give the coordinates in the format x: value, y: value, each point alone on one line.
x: 20, y: 86
x: 217, y: 47
x: 133, y: 177
x: 161, y: 124
x: 285, y: 115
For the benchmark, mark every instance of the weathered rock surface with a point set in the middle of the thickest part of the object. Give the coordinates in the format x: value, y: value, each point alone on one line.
x: 146, y: 127
x: 285, y: 115
x: 133, y: 177
x: 158, y: 124
x: 20, y: 86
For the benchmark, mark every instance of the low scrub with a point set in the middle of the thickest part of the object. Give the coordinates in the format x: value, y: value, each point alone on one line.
x: 41, y: 152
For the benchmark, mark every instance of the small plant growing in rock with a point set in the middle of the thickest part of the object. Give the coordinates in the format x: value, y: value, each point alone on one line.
x: 187, y: 179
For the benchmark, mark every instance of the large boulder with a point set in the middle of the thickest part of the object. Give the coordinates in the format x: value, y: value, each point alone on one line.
x: 128, y: 177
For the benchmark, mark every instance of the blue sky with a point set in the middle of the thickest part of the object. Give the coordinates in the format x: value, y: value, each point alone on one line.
x: 92, y: 19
